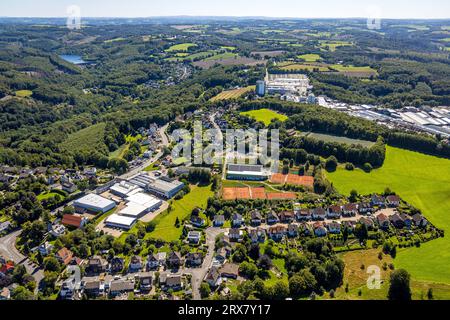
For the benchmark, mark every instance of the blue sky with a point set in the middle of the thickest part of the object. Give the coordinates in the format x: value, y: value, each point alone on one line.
x: 430, y: 9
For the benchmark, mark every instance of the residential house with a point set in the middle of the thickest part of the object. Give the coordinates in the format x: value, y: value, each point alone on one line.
x: 287, y: 217
x: 277, y: 232
x: 293, y: 230
x: 194, y: 259
x: 334, y: 212
x: 319, y: 214
x: 5, y: 294
x: 194, y: 237
x: 162, y: 258
x: 272, y: 218
x: 407, y: 220
x: 219, y: 221
x: 349, y: 225
x: 135, y: 264
x: 118, y: 287
x: 67, y: 290
x: 69, y: 187
x: 235, y: 235
x: 419, y: 220
x: 152, y: 262
x: 319, y: 229
x: 57, y: 230
x: 257, y: 235
x: 397, y: 221
x: 174, y: 282
x: 91, y: 172
x: 96, y: 265
x: 365, y: 208
x: 223, y: 254
x: 76, y: 221
x: 174, y: 260
x: 229, y: 271
x: 304, y: 215
x: 237, y: 220
x: 393, y: 201
x: 334, y: 227
x: 213, y: 277
x: 45, y: 248
x: 349, y: 209
x: 198, y: 222
x: 146, y: 281
x: 377, y: 200
x: 92, y: 288
x: 255, y: 218
x: 116, y: 265
x: 64, y: 256
x: 383, y: 221
x: 368, y: 222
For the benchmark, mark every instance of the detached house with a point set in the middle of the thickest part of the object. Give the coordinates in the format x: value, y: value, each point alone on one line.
x: 334, y: 212
x: 319, y: 214
x: 293, y: 230
x: 272, y: 218
x: 319, y: 229
x: 419, y: 220
x: 407, y: 220
x: 383, y: 221
x: 194, y: 259
x: 334, y: 227
x: 117, y: 264
x: 118, y: 287
x: 213, y: 277
x: 96, y: 265
x: 304, y: 215
x: 350, y: 209
x: 194, y: 237
x: 135, y: 264
x: 237, y: 221
x: 393, y: 201
x: 277, y: 232
x: 256, y: 218
x: 257, y: 235
x: 146, y: 281
x: 198, y: 222
x: 64, y: 256
x: 287, y: 217
x: 397, y: 221
x: 152, y: 263
x: 365, y: 208
x: 377, y: 200
x: 219, y: 221
x: 235, y: 234
x: 174, y: 260
x: 368, y: 222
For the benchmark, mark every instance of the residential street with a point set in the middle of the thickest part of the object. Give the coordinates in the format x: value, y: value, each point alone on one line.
x: 9, y: 251
x: 198, y: 274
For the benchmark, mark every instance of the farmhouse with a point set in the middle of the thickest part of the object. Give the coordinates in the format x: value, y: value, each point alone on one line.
x: 246, y: 172
x: 93, y: 203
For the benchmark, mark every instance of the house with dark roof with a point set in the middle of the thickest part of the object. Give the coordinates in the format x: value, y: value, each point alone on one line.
x: 286, y: 217
x: 257, y: 235
x: 393, y: 201
x: 377, y: 200
x: 117, y: 264
x: 96, y: 265
x: 304, y: 215
x: 293, y: 230
x: 277, y: 232
x: 334, y: 227
x: 365, y: 208
x: 237, y: 220
x: 118, y: 287
x: 146, y: 281
x: 229, y: 271
x: 334, y: 212
x: 255, y: 218
x: 135, y: 264
x: 219, y: 220
x: 174, y: 260
x: 213, y: 277
x: 152, y: 262
x: 235, y: 234
x: 194, y: 259
x: 319, y: 213
x: 397, y: 221
x: 319, y: 229
x: 349, y: 209
x: 383, y: 221
x: 419, y: 220
x: 272, y: 218
x: 92, y: 288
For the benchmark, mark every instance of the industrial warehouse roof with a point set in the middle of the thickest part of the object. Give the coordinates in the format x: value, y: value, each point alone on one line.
x: 133, y: 210
x: 125, y: 188
x: 143, y: 199
x: 120, y: 220
x: 245, y: 168
x: 93, y: 200
x: 165, y: 186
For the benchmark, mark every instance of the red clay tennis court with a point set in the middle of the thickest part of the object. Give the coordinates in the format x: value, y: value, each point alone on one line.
x: 229, y: 193
x: 278, y: 178
x: 300, y: 180
x: 258, y: 193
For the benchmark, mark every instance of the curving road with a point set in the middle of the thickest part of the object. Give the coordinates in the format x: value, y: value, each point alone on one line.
x: 9, y: 251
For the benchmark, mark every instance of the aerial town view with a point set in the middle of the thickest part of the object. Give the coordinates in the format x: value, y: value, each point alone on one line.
x: 194, y: 152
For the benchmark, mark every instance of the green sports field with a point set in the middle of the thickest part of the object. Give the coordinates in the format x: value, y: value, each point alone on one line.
x: 264, y: 115
x: 423, y: 181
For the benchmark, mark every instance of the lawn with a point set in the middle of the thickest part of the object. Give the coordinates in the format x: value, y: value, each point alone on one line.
x: 232, y: 94
x: 265, y: 115
x: 181, y: 47
x: 48, y: 195
x: 310, y: 57
x: 165, y: 223
x: 24, y: 93
x: 423, y: 181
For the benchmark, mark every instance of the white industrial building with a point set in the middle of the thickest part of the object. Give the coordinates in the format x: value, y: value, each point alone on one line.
x: 93, y: 203
x: 120, y: 222
x: 140, y: 204
x: 125, y: 189
x: 283, y: 84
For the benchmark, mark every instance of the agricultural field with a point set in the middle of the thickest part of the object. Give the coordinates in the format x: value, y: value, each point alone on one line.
x: 24, y: 93
x: 265, y: 115
x: 88, y: 139
x: 310, y: 57
x: 330, y: 138
x: 232, y: 94
x: 181, y: 47
x: 332, y: 46
x: 181, y: 209
x: 423, y: 181
x: 365, y: 71
x: 304, y: 67
x: 227, y: 59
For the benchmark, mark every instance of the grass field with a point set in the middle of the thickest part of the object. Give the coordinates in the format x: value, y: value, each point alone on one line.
x: 423, y: 181
x: 304, y: 67
x: 165, y: 228
x: 226, y: 55
x: 310, y: 57
x: 332, y: 46
x: 264, y: 115
x: 341, y: 68
x: 88, y: 139
x: 119, y: 153
x: 48, y: 195
x: 181, y: 47
x: 24, y: 93
x: 232, y: 94
x: 330, y: 138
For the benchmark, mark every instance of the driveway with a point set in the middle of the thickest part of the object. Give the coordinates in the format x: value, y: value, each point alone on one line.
x: 9, y: 251
x: 198, y: 274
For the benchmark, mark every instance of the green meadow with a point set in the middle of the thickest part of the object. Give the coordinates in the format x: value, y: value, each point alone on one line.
x: 181, y: 47
x: 265, y: 115
x: 24, y: 93
x: 423, y: 181
x: 310, y: 57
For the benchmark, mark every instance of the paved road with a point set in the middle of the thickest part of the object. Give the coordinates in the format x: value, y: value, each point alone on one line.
x: 9, y: 251
x: 165, y: 142
x: 198, y: 274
